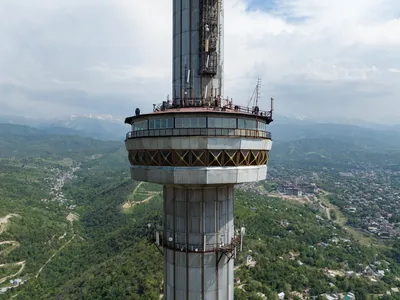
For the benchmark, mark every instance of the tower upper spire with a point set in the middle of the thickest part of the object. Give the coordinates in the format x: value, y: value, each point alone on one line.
x: 197, y: 50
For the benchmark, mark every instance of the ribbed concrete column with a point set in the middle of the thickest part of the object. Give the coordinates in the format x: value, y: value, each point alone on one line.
x: 198, y: 220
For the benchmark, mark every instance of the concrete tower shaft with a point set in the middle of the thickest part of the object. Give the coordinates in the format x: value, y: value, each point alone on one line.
x: 200, y: 220
x: 197, y: 49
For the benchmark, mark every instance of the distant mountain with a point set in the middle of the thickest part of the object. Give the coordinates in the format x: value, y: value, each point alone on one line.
x: 19, y: 120
x: 331, y: 145
x: 111, y: 118
x: 291, y: 119
x: 284, y: 128
x: 25, y: 141
x: 64, y: 131
x: 20, y: 129
x: 102, y: 127
x: 367, y: 138
x: 331, y: 153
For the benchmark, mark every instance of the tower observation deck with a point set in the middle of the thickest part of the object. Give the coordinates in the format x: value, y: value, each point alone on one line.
x: 198, y: 146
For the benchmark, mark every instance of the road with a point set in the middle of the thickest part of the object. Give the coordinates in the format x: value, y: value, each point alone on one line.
x: 13, y: 244
x: 129, y: 204
x: 4, y: 221
x: 51, y: 257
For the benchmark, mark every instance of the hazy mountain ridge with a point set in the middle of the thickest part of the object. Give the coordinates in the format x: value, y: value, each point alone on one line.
x: 293, y: 139
x: 287, y: 128
x: 97, y: 127
x: 24, y: 141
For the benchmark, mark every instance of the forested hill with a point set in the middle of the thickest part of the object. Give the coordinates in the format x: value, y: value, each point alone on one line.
x: 24, y: 141
x: 333, y: 153
x: 74, y: 226
x: 38, y: 218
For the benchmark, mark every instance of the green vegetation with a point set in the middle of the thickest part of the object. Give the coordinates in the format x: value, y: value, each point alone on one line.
x: 287, y: 240
x: 17, y: 141
x: 333, y: 152
x: 101, y: 250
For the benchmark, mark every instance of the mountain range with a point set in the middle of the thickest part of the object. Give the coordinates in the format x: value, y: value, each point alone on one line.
x: 102, y: 127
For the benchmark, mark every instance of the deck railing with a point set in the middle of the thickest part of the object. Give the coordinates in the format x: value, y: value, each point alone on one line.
x: 199, y: 132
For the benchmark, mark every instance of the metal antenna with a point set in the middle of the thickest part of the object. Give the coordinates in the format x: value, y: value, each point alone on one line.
x: 242, y: 232
x: 258, y: 92
x: 185, y: 71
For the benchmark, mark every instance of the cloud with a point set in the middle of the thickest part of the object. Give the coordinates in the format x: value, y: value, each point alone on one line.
x: 317, y: 58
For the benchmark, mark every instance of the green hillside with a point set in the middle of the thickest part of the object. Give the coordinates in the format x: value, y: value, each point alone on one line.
x: 336, y: 153
x: 35, y: 213
x: 87, y: 239
x: 23, y: 142
x: 368, y: 138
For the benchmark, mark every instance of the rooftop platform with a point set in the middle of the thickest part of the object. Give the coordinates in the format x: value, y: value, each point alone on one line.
x: 196, y: 106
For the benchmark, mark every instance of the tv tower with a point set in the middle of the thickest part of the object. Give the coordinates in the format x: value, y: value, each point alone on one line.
x: 198, y: 146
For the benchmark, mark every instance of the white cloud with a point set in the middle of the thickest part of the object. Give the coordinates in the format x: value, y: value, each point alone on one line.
x: 317, y: 57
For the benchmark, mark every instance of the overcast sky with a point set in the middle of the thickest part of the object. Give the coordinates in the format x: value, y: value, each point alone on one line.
x: 316, y: 57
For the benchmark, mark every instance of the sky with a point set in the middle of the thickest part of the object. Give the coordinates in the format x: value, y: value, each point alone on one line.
x: 317, y: 58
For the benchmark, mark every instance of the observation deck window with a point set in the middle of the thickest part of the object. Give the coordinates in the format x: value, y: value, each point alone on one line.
x: 247, y: 124
x: 221, y: 122
x: 141, y: 125
x: 262, y: 126
x: 190, y: 122
x: 199, y: 122
x: 161, y: 123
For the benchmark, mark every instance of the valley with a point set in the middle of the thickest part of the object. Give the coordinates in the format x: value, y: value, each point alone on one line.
x: 10, y: 277
x: 74, y: 225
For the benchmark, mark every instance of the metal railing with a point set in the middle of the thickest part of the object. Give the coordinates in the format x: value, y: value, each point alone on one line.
x: 215, y: 247
x: 199, y: 132
x: 219, y: 103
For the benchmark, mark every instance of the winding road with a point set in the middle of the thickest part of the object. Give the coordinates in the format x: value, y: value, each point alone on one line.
x: 13, y: 245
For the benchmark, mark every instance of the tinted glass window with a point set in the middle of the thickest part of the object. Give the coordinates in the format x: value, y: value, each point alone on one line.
x: 211, y: 122
x: 225, y: 123
x: 262, y: 126
x: 241, y: 124
x: 250, y: 124
x: 190, y: 122
x: 202, y: 122
x: 178, y: 122
x: 141, y: 125
x: 158, y: 124
x: 161, y: 123
x: 247, y: 124
x: 214, y: 122
x: 186, y: 122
